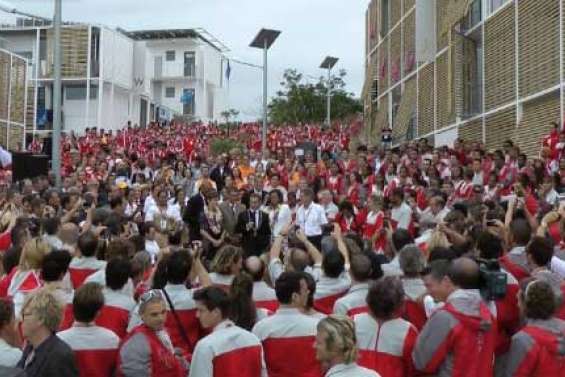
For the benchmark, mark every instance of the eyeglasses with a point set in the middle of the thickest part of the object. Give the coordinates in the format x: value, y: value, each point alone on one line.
x: 150, y: 295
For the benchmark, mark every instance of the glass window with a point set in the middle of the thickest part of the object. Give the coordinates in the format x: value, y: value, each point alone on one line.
x: 170, y: 56
x: 189, y: 64
x: 170, y: 92
x: 385, y: 16
x: 495, y: 4
x: 74, y: 93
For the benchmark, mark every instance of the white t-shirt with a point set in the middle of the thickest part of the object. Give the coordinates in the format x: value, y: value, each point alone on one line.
x: 402, y: 215
x: 311, y: 219
x: 9, y: 356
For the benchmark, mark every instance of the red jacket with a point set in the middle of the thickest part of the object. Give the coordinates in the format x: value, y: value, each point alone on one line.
x: 95, y: 349
x: 385, y: 347
x: 459, y: 339
x: 538, y: 350
x: 163, y: 361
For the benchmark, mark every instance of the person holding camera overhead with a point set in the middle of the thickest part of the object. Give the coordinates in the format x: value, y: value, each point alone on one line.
x: 254, y: 227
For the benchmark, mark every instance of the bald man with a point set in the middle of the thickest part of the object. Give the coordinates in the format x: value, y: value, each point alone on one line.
x: 263, y: 295
x: 464, y: 323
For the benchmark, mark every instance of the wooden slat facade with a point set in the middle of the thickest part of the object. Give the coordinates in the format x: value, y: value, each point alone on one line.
x: 426, y: 100
x: 74, y: 46
x: 538, y: 43
x: 472, y: 131
x: 520, y: 61
x: 500, y: 127
x: 500, y: 67
x: 537, y: 116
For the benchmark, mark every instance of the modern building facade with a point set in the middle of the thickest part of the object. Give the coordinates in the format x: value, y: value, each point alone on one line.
x: 482, y: 70
x: 112, y: 76
x: 12, y: 100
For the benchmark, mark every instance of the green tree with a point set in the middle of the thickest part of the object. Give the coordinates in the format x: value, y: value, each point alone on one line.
x: 228, y: 115
x: 303, y: 101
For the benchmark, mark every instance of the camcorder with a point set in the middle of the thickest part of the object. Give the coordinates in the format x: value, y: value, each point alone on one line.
x: 492, y: 280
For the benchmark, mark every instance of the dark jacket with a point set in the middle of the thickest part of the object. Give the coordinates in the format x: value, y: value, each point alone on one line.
x: 192, y: 214
x: 220, y: 176
x: 53, y: 358
x: 254, y: 242
x: 11, y: 372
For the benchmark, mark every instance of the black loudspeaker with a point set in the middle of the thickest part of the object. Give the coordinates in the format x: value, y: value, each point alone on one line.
x: 27, y: 165
x: 47, y: 147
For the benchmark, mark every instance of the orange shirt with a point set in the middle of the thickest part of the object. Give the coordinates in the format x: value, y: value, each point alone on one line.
x: 246, y: 171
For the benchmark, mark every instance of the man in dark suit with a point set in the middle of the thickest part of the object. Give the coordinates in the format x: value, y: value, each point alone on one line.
x: 220, y: 172
x: 231, y: 209
x: 11, y: 372
x: 255, y: 186
x: 254, y: 228
x: 194, y: 210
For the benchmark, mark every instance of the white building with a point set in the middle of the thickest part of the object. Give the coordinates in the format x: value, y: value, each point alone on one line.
x: 111, y: 76
x: 174, y: 62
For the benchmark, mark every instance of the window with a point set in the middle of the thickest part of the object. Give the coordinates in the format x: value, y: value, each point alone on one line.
x: 188, y: 101
x: 170, y: 56
x: 75, y: 93
x: 170, y: 92
x: 495, y: 4
x: 385, y: 17
x: 189, y: 64
x: 472, y: 75
x: 474, y: 16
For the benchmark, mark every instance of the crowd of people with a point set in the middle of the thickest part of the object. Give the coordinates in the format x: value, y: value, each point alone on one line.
x: 157, y: 257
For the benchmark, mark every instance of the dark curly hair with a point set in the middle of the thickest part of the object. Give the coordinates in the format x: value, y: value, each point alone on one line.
x: 385, y: 296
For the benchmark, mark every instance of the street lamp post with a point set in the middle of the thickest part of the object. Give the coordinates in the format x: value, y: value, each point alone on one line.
x: 56, y: 136
x: 264, y: 40
x: 328, y: 63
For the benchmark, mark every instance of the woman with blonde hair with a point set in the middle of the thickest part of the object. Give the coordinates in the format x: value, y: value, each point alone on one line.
x: 336, y: 348
x: 26, y: 277
x: 226, y: 265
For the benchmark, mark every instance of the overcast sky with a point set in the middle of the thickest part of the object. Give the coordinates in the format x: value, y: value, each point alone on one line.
x: 311, y: 29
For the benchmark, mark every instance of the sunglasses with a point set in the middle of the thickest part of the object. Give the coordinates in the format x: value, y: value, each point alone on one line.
x: 150, y: 295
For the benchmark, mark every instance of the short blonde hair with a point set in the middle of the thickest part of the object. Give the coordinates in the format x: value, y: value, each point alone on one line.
x: 341, y: 338
x: 33, y: 253
x: 224, y: 259
x: 46, y: 307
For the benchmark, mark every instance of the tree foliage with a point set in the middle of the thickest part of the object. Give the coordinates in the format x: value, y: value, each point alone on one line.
x: 300, y: 100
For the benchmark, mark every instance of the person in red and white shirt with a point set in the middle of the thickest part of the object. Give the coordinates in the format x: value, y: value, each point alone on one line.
x: 384, y: 339
x: 289, y: 330
x: 86, y: 263
x: 117, y: 304
x: 401, y: 213
x: 229, y: 350
x: 95, y: 348
x: 179, y: 266
x: 336, y: 348
x: 355, y: 301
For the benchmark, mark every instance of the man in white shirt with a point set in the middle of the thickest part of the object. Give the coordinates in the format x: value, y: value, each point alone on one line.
x: 401, y: 212
x: 310, y: 217
x: 9, y: 355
